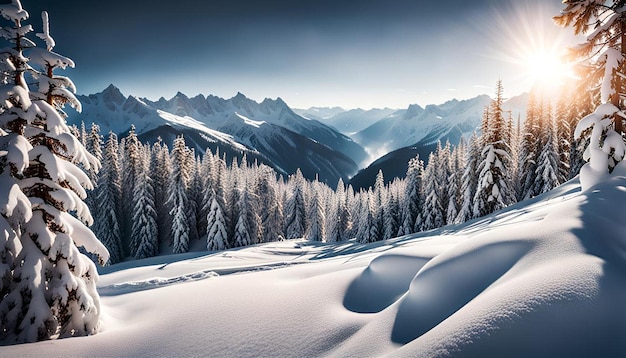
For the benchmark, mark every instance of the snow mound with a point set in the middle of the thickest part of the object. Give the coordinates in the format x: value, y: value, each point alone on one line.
x: 448, y: 283
x: 382, y: 283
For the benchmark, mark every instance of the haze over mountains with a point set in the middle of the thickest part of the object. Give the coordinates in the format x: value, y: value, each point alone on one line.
x: 331, y: 143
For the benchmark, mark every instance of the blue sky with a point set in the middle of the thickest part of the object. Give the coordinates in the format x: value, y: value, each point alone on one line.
x: 367, y: 53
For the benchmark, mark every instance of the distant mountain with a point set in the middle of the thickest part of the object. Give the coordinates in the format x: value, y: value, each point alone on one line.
x: 347, y: 122
x: 268, y: 131
x: 422, y: 128
x: 319, y: 113
x: 416, y: 124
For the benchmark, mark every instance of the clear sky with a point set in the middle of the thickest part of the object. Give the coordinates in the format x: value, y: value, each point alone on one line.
x: 349, y: 53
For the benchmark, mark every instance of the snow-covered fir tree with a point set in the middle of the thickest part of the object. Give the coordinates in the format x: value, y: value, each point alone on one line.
x: 131, y: 161
x: 412, y: 203
x: 367, y: 228
x: 564, y: 135
x: 160, y: 168
x: 93, y: 146
x: 379, y: 198
x: 333, y: 217
x: 454, y: 183
x: 217, y: 238
x: 547, y: 173
x: 194, y: 192
x: 469, y: 181
x: 244, y: 235
x: 52, y: 292
x: 494, y: 190
x: 108, y: 198
x: 144, y: 233
x: 343, y: 212
x: 177, y: 197
x: 529, y: 149
x: 273, y: 220
x: 205, y: 184
x: 604, y: 24
x: 295, y: 209
x: 317, y: 221
x: 434, y: 216
x: 391, y: 212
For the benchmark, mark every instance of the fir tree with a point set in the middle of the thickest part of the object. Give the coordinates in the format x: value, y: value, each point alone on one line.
x: 217, y: 238
x: 108, y: 195
x: 343, y: 211
x: 52, y: 291
x: 546, y: 175
x: 367, y: 230
x: 604, y: 24
x: 390, y: 213
x: 177, y: 199
x: 469, y: 181
x: 273, y: 220
x: 564, y: 137
x: 413, y: 201
x: 317, y: 226
x: 295, y: 209
x: 160, y: 171
x: 193, y: 193
x: 529, y: 149
x: 494, y: 189
x: 131, y: 165
x: 379, y: 202
x: 433, y: 208
x: 245, y: 219
x: 454, y: 186
x: 144, y: 233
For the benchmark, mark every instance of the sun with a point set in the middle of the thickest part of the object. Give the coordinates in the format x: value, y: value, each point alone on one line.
x: 546, y: 68
x: 531, y: 47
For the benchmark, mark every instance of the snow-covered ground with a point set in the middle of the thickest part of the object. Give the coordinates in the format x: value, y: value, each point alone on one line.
x: 545, y: 277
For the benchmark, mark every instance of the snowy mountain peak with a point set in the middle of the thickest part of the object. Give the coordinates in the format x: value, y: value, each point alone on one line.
x: 180, y: 95
x: 113, y: 94
x: 413, y: 111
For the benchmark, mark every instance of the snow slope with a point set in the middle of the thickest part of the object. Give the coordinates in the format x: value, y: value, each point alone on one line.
x: 544, y: 278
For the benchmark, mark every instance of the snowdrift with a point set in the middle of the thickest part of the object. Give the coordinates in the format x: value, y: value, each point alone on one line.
x: 543, y: 278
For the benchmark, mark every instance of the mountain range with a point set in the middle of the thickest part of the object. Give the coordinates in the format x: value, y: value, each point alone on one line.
x: 269, y: 132
x: 329, y: 143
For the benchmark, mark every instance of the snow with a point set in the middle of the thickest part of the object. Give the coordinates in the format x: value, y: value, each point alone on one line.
x: 250, y: 122
x: 612, y: 58
x: 187, y: 121
x: 14, y: 11
x: 45, y: 35
x: 541, y: 278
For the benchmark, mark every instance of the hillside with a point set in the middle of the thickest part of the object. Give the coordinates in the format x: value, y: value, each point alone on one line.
x: 532, y: 280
